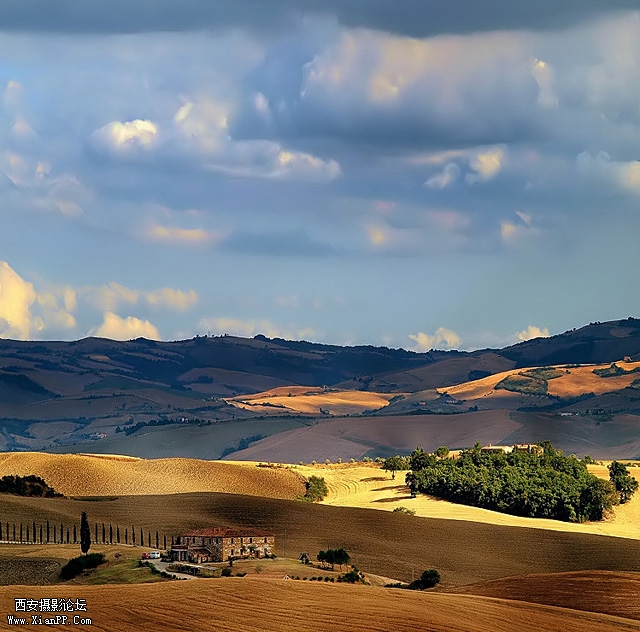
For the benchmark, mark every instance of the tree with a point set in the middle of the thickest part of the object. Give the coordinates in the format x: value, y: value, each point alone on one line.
x: 428, y: 579
x: 442, y: 452
x: 85, y: 533
x: 393, y: 464
x: 625, y: 484
x: 316, y: 489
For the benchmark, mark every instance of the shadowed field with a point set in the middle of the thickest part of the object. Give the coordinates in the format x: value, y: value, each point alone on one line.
x: 379, y: 542
x: 606, y: 592
x: 243, y: 604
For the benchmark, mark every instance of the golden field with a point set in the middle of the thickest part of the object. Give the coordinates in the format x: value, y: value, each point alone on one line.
x: 111, y: 475
x: 246, y: 605
x: 574, y: 381
x: 595, y: 591
x: 311, y: 401
x: 373, y: 488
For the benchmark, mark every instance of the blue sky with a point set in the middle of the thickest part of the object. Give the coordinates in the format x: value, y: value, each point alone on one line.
x: 412, y: 174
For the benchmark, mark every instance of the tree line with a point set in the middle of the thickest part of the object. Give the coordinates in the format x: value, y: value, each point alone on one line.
x: 101, y: 533
x: 544, y: 485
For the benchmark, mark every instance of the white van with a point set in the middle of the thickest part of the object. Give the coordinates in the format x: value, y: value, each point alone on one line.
x: 154, y: 555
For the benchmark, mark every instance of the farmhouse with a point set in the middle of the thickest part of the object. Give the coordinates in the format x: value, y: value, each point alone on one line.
x: 532, y: 448
x: 219, y: 544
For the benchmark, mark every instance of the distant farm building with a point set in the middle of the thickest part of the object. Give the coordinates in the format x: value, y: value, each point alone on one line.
x: 220, y: 544
x: 532, y: 448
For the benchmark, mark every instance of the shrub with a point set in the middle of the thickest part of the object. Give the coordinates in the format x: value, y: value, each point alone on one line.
x: 75, y: 566
x: 226, y: 572
x: 428, y: 579
x: 404, y: 510
x: 316, y: 489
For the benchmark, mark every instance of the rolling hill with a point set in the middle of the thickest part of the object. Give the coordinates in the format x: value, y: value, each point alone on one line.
x: 254, y: 605
x: 213, y: 396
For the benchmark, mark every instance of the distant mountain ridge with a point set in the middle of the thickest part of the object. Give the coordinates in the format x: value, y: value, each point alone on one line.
x: 65, y: 393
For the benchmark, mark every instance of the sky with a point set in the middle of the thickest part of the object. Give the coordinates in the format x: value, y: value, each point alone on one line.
x: 434, y: 174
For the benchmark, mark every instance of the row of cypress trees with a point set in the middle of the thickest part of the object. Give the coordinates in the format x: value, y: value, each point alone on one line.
x: 52, y: 533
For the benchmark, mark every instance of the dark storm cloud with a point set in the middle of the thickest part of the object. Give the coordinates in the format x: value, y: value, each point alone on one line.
x: 416, y: 18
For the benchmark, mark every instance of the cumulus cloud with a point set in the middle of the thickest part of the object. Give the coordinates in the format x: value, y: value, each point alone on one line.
x: 198, y: 135
x: 115, y: 327
x: 126, y: 138
x: 111, y: 296
x: 25, y: 313
x: 442, y: 338
x: 487, y: 165
x: 532, y: 332
x: 250, y: 328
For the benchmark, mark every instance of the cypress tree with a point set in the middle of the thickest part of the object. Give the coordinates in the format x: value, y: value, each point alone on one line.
x: 40, y: 534
x: 157, y: 541
x: 67, y: 535
x: 55, y: 537
x: 118, y: 533
x: 85, y: 533
x: 48, y: 532
x: 104, y: 538
x: 34, y: 532
x: 75, y: 535
x: 28, y: 539
x: 141, y: 537
x: 126, y: 535
x: 133, y: 535
x: 165, y: 542
x: 110, y: 533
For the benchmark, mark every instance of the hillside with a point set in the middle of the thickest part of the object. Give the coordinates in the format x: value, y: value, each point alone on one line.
x: 593, y: 591
x: 212, y: 396
x: 93, y: 475
x: 254, y: 605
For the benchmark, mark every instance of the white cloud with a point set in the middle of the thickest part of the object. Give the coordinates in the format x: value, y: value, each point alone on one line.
x: 198, y: 134
x: 124, y: 137
x: 458, y: 86
x: 532, y: 332
x: 24, y: 312
x: 442, y: 338
x: 115, y: 327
